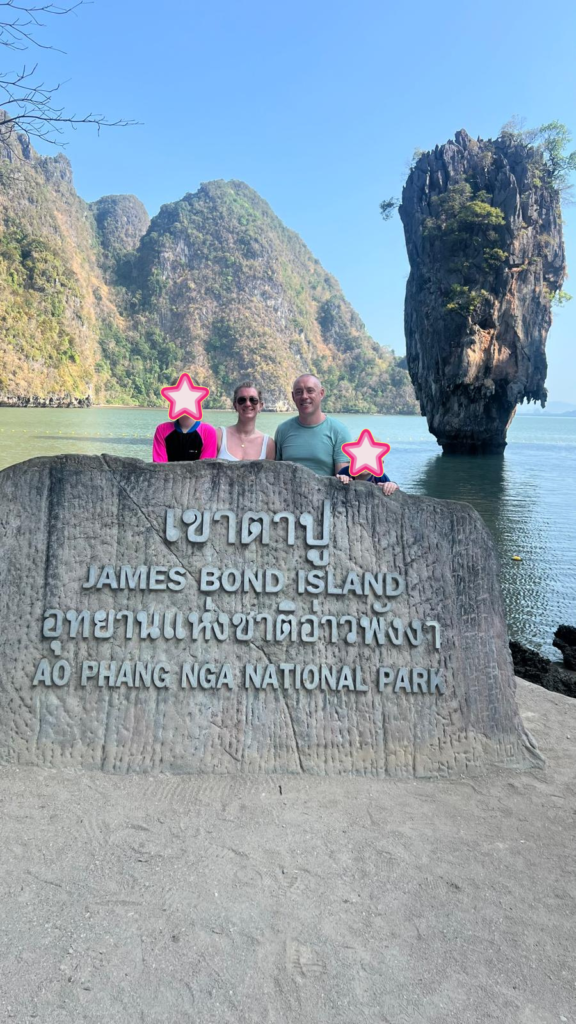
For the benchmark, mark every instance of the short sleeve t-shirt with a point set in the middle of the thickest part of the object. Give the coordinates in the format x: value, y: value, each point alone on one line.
x: 319, y: 447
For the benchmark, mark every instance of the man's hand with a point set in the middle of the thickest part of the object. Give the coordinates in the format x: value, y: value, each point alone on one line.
x: 389, y: 487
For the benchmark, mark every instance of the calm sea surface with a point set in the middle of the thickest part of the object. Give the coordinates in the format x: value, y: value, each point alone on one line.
x: 527, y: 497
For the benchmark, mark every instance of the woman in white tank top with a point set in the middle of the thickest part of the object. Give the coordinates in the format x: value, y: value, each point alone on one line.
x: 243, y: 442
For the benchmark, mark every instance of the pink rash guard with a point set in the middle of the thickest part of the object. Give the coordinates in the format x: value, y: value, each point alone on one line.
x: 174, y: 445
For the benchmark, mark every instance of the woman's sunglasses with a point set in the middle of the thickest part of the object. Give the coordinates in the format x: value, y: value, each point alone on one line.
x: 251, y: 398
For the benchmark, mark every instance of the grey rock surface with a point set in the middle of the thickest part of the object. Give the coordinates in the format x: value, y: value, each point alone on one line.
x: 483, y: 232
x: 120, y: 221
x: 96, y: 675
x: 281, y: 899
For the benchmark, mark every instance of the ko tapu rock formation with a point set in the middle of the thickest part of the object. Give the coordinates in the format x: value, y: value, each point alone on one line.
x: 484, y: 237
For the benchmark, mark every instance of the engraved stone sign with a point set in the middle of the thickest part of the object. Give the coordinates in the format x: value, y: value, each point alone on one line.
x: 252, y: 617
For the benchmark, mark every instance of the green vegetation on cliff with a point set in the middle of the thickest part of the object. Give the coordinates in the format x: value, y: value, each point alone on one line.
x: 220, y: 286
x: 48, y: 274
x: 96, y: 300
x: 483, y: 230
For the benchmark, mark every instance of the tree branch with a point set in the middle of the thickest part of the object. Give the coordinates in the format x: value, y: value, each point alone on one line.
x: 32, y: 110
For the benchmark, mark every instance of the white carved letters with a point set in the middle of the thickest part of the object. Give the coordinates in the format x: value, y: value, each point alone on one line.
x: 220, y: 607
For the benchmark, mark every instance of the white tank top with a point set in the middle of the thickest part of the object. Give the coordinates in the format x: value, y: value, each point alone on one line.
x: 225, y: 454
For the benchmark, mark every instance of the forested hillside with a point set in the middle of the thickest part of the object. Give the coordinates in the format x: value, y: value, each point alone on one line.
x: 100, y: 304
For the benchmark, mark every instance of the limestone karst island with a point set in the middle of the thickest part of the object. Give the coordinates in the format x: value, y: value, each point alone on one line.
x: 483, y: 231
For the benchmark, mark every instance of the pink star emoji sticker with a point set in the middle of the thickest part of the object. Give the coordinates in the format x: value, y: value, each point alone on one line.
x: 185, y: 398
x: 366, y: 454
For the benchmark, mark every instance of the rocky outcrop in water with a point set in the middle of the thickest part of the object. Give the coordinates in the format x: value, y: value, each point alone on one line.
x: 534, y: 667
x: 484, y: 237
x: 565, y: 641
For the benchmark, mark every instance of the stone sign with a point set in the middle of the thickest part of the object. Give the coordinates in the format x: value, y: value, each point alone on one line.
x: 217, y: 617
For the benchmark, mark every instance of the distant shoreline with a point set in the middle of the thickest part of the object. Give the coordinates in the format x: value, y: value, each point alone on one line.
x: 570, y: 414
x: 153, y: 408
x: 82, y: 405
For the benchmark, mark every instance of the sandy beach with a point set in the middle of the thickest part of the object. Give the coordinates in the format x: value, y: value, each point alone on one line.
x: 284, y: 898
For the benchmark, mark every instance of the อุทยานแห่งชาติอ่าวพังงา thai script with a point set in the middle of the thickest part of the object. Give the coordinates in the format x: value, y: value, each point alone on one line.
x: 199, y: 622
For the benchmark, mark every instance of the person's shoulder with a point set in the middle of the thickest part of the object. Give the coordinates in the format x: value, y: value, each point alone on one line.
x: 336, y: 426
x: 163, y: 429
x: 206, y: 430
x: 287, y: 425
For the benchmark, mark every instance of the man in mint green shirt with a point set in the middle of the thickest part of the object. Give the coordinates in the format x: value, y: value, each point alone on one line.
x: 312, y: 438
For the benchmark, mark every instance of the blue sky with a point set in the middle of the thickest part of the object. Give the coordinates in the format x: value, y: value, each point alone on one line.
x: 318, y: 106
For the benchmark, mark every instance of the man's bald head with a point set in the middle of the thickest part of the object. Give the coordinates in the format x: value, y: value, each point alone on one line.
x: 306, y: 377
x: 307, y: 394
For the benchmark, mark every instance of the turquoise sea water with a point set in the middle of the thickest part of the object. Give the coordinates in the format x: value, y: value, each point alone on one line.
x: 527, y: 497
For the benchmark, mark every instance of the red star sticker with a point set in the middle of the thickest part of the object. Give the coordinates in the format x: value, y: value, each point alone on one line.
x: 185, y: 398
x: 366, y: 454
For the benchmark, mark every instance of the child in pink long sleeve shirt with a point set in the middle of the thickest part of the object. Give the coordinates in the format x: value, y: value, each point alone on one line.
x: 184, y: 440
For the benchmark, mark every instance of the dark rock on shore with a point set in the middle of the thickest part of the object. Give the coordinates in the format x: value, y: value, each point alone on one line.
x: 540, y: 670
x: 565, y: 641
x: 48, y: 402
x: 484, y: 237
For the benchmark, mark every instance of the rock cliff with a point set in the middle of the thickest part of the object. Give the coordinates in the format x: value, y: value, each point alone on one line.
x: 220, y: 286
x: 52, y: 294
x: 484, y: 237
x: 120, y: 222
x: 98, y: 304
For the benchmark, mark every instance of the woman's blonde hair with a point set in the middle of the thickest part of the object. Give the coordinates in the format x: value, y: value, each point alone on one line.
x: 247, y: 384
